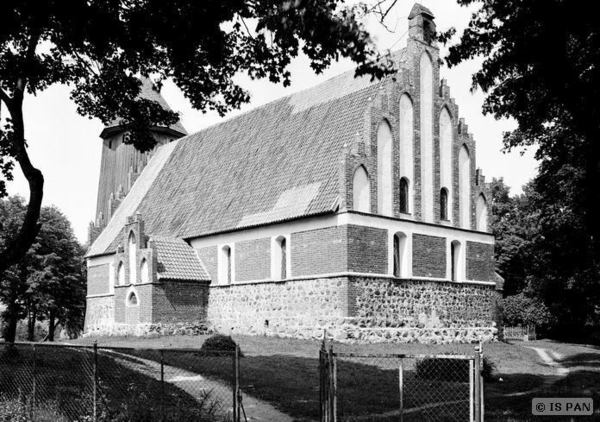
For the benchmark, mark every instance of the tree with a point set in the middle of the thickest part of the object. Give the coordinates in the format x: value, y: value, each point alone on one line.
x: 513, y: 223
x: 541, y: 66
x: 542, y: 248
x: 49, y: 283
x: 98, y: 47
x: 12, y: 287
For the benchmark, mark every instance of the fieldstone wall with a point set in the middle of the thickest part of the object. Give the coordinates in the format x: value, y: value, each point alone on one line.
x: 420, y: 311
x: 299, y: 308
x: 357, y: 309
x: 100, y: 312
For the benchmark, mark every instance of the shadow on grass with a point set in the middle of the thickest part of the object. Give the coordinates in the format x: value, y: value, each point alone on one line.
x: 365, y: 388
x: 64, y: 379
x: 369, y: 391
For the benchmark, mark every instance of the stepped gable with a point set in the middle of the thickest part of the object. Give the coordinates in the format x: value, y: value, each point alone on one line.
x: 274, y: 163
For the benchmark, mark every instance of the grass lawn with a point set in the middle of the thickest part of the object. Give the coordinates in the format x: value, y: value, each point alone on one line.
x: 284, y: 372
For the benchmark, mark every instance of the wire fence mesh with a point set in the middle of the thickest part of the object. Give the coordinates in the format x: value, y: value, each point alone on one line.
x: 68, y: 383
x: 40, y: 382
x: 406, y: 388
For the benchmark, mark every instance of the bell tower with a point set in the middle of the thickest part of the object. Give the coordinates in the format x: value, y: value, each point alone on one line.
x: 122, y: 164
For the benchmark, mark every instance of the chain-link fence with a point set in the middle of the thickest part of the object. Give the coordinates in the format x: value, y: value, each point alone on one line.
x: 65, y: 383
x: 406, y: 388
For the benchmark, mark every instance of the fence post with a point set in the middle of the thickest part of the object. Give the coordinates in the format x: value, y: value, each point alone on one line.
x: 162, y: 385
x: 238, y: 402
x: 235, y: 386
x: 401, y: 388
x: 471, y: 389
x: 481, y: 384
x: 32, y: 405
x: 332, y: 386
x: 95, y: 380
x: 322, y: 390
x: 477, y: 376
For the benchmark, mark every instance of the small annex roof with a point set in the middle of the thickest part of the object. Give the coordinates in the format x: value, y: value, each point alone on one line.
x: 176, y: 260
x: 148, y: 91
x: 274, y: 163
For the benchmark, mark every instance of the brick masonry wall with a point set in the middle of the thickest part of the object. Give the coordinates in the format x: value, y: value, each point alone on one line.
x: 480, y: 261
x: 367, y: 249
x: 97, y: 281
x: 429, y: 256
x: 253, y: 259
x: 320, y: 251
x: 179, y: 301
x: 140, y: 313
x: 208, y: 256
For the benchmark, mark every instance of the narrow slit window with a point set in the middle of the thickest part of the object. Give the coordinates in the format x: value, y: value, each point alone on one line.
x: 404, y: 195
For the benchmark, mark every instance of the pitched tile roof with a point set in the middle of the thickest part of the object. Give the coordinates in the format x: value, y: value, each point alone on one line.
x: 274, y: 163
x: 177, y: 260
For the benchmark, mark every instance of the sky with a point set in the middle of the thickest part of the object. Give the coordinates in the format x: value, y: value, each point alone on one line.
x: 66, y: 147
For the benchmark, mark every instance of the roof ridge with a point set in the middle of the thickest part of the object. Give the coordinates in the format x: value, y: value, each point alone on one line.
x: 395, y: 56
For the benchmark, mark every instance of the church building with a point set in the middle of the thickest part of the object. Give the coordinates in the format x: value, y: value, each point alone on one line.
x: 354, y: 206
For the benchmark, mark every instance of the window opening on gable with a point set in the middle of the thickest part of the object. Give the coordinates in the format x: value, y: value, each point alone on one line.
x: 121, y: 273
x: 404, y: 195
x: 444, y: 204
x: 361, y: 191
x: 132, y: 259
x: 144, y: 271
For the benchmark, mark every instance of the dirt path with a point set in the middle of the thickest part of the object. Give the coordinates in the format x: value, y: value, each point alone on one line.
x: 197, y: 385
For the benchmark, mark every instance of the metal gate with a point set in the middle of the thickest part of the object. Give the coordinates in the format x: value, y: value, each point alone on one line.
x: 400, y: 387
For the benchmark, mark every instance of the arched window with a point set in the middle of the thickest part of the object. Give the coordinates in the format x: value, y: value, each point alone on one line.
x: 132, y: 299
x: 225, y: 266
x: 464, y: 184
x: 481, y: 212
x: 444, y: 204
x: 406, y: 149
x: 121, y: 273
x: 279, y: 261
x: 400, y: 255
x: 455, y: 261
x: 384, y: 169
x: 132, y: 259
x: 426, y: 89
x: 144, y: 271
x: 361, y: 191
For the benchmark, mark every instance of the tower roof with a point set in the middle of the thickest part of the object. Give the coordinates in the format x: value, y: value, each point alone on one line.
x: 150, y: 92
x: 419, y: 9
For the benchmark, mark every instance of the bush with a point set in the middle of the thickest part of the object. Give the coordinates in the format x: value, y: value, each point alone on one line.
x: 19, y: 410
x: 219, y: 344
x: 522, y: 310
x: 452, y: 369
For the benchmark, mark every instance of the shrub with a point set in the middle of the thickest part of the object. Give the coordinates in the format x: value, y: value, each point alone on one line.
x: 522, y: 310
x: 452, y: 369
x: 219, y: 344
